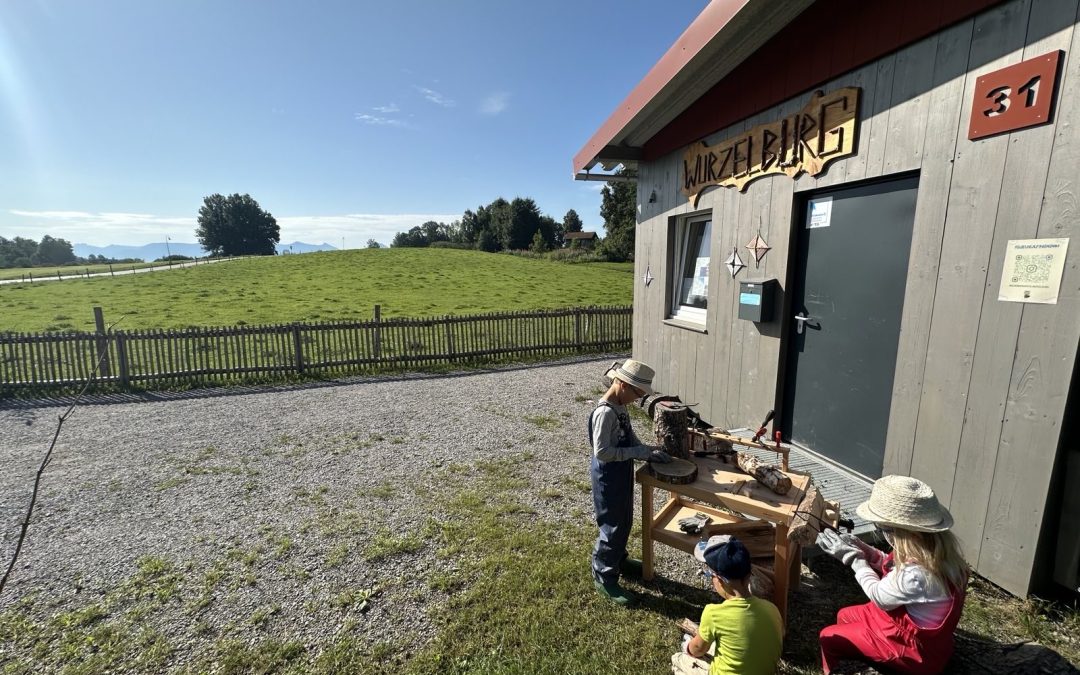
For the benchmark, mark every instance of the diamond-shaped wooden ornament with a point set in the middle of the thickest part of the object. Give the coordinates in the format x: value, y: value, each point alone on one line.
x: 648, y: 276
x: 758, y: 248
x: 734, y: 263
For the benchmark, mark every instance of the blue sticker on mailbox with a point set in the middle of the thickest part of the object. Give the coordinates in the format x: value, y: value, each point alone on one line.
x: 749, y: 299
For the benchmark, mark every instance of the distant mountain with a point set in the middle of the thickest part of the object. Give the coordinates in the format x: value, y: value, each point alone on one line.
x: 145, y: 252
x: 150, y: 252
x: 301, y: 247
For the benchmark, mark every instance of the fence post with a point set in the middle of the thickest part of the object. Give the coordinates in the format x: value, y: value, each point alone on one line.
x: 578, y: 342
x: 58, y: 278
x: 378, y: 332
x: 450, y: 338
x: 121, y: 356
x: 102, y: 343
x: 110, y: 271
x: 298, y: 346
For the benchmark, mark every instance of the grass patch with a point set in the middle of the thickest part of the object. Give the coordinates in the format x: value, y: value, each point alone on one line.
x: 544, y: 422
x: 384, y: 491
x: 386, y: 543
x: 342, y: 285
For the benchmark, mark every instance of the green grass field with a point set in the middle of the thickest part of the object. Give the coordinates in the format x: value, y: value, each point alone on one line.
x: 343, y: 285
x: 68, y: 270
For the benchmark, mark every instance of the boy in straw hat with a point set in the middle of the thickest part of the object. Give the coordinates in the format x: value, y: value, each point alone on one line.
x: 916, y: 592
x: 748, y: 632
x: 614, y: 447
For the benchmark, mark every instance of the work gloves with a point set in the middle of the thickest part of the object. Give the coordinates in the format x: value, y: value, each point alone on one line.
x: 831, y: 542
x: 646, y: 454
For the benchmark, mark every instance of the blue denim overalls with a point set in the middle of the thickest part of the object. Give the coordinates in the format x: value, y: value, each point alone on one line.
x: 613, y: 499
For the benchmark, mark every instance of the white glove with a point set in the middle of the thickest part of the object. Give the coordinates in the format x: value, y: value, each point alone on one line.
x: 685, y: 649
x: 872, y: 554
x: 830, y: 542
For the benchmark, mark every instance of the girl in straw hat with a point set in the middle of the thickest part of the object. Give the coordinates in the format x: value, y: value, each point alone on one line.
x: 916, y: 592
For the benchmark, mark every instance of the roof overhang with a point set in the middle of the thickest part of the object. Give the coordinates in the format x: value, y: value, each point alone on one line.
x: 720, y: 38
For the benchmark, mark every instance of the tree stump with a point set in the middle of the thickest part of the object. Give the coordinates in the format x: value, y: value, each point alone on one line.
x: 766, y: 474
x: 677, y: 471
x: 669, y: 425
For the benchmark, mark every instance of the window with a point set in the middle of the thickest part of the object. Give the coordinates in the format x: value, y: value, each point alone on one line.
x: 690, y: 285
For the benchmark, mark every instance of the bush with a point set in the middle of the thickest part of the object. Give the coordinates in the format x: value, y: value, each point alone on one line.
x: 452, y: 244
x: 174, y: 258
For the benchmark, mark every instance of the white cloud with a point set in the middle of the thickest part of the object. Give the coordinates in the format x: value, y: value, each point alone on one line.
x: 374, y: 120
x: 495, y: 103
x: 102, y: 229
x: 435, y: 97
x: 387, y: 109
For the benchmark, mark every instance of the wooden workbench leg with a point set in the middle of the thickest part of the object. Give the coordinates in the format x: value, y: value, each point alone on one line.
x: 646, y: 532
x: 781, y: 570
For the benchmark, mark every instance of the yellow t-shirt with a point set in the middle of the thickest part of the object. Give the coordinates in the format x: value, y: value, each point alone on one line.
x: 748, y: 633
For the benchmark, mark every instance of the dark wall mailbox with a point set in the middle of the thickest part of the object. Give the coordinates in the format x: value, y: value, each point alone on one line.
x: 756, y: 299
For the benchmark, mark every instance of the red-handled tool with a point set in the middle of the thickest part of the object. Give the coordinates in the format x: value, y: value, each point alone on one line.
x: 762, y: 429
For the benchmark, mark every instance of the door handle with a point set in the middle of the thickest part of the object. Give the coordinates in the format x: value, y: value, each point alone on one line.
x: 800, y: 322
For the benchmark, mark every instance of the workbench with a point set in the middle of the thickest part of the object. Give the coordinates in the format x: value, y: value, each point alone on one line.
x: 735, y: 502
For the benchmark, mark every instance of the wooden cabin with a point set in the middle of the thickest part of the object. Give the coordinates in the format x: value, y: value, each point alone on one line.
x: 860, y: 214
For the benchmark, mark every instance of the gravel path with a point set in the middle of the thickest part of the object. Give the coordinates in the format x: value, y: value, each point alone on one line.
x: 267, y: 498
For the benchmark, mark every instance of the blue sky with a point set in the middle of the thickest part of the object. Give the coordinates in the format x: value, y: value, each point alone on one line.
x: 349, y: 119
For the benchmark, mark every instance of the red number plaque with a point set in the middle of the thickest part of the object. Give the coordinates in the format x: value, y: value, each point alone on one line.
x: 1015, y: 97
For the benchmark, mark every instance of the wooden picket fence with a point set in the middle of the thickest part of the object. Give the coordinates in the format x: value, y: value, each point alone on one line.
x: 149, y: 359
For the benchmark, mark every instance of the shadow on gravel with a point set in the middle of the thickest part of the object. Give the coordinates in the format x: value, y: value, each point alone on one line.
x: 243, y: 390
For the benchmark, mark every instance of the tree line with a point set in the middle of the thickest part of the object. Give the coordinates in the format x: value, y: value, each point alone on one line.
x: 49, y: 252
x: 519, y: 224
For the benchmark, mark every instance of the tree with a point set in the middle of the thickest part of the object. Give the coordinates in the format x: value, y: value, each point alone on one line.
x: 552, y: 231
x: 498, y: 213
x: 414, y: 238
x: 236, y: 225
x: 619, y: 211
x: 54, y: 251
x: 524, y: 222
x: 371, y: 243
x: 539, y: 244
x: 571, y: 222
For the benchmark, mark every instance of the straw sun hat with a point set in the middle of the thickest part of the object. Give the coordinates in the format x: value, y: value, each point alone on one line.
x: 906, y: 503
x: 634, y: 373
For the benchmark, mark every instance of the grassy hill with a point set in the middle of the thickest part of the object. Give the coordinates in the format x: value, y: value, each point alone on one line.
x: 339, y: 285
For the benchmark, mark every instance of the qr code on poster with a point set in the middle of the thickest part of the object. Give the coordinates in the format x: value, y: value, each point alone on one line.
x: 1032, y: 269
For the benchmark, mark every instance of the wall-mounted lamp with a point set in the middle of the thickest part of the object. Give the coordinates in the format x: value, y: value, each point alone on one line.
x: 652, y: 197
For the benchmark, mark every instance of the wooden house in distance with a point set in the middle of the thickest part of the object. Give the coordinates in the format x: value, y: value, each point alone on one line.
x: 862, y: 214
x: 586, y: 240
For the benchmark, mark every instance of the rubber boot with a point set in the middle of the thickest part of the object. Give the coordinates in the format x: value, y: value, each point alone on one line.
x: 614, y: 592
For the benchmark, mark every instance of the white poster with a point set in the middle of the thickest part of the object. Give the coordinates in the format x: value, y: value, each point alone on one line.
x: 819, y: 213
x: 1032, y: 270
x: 700, y: 285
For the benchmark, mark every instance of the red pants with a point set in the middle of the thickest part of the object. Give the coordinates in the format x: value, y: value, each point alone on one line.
x: 868, y: 633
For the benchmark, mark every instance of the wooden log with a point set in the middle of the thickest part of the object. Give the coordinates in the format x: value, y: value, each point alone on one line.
x: 669, y: 425
x: 677, y: 471
x: 809, y: 518
x: 766, y: 474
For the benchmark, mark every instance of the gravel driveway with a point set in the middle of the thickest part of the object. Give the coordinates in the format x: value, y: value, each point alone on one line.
x: 271, y: 501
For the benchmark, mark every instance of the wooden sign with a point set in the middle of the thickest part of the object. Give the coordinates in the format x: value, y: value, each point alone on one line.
x: 822, y: 131
x: 1015, y: 97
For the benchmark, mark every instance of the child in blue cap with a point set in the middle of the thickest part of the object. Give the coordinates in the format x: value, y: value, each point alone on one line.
x: 747, y: 631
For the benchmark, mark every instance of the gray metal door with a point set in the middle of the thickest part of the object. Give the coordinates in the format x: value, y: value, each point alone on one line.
x: 847, y: 298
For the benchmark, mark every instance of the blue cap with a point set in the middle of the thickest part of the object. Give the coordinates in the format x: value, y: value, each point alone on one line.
x: 725, y: 555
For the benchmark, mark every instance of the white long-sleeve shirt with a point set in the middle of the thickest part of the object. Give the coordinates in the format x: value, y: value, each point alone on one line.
x: 608, y: 424
x: 926, y: 599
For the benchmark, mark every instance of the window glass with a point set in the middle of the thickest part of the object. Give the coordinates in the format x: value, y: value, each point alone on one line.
x: 693, y: 288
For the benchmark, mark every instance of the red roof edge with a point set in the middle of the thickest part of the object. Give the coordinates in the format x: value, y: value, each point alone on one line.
x: 713, y: 18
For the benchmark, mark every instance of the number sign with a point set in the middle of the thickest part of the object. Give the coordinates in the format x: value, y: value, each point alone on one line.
x: 1015, y: 97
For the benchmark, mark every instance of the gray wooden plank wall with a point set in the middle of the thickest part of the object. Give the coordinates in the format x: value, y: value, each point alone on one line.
x: 980, y: 385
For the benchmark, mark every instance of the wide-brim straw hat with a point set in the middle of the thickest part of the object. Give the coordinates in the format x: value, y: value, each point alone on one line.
x: 634, y: 373
x: 905, y: 503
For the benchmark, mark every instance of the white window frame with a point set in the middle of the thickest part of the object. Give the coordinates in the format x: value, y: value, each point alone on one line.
x: 680, y: 243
